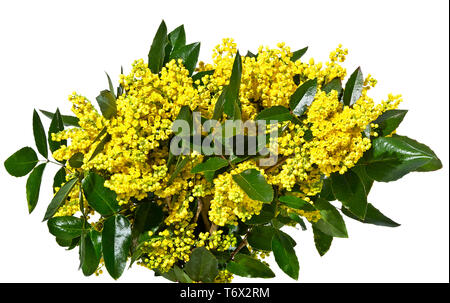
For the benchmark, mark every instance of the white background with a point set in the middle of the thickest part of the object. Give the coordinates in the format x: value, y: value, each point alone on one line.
x: 50, y: 48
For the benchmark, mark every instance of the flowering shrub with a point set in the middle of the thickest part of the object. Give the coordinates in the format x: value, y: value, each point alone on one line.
x: 170, y: 175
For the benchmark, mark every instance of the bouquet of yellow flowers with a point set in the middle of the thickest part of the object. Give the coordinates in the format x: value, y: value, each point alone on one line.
x: 192, y: 169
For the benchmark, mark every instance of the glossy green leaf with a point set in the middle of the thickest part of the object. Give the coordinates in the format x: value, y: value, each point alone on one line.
x: 59, y: 198
x: 298, y: 54
x: 21, y: 162
x: 111, y: 87
x: 254, y: 185
x: 335, y: 84
x: 189, y: 54
x: 299, y: 220
x: 231, y: 104
x: 389, y: 121
x: 267, y: 213
x: 116, y: 242
x: 66, y: 227
x: 59, y: 178
x: 202, y: 266
x: 210, y: 166
x: 55, y: 127
x: 181, y: 275
x: 260, y: 237
x: 275, y: 113
x: 100, y: 146
x: 284, y: 254
x: 327, y: 192
x: 67, y: 120
x: 365, y: 179
x: 33, y: 186
x: 391, y: 158
x: 351, y: 191
x: 148, y: 215
x: 177, y: 38
x: 107, y: 103
x: 157, y: 50
x: 96, y: 238
x: 100, y: 198
x: 296, y: 203
x: 89, y: 260
x: 246, y: 266
x: 40, y: 138
x: 322, y: 241
x: 331, y: 222
x: 303, y: 97
x: 76, y: 161
x: 353, y: 87
x: 373, y: 216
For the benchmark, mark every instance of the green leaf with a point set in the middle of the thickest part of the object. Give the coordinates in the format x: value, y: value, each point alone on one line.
x: 303, y: 97
x: 89, y: 258
x: 67, y: 120
x: 111, y: 87
x: 148, y: 216
x: 353, y: 87
x: 322, y: 241
x: 76, y: 161
x: 277, y: 113
x: 21, y: 162
x: 246, y: 266
x: 260, y: 237
x: 39, y: 135
x: 267, y: 213
x: 59, y: 199
x: 56, y: 126
x: 202, y: 266
x: 157, y: 50
x: 231, y: 104
x: 362, y: 174
x: 177, y: 38
x: 180, y: 275
x: 189, y: 54
x: 100, y: 146
x: 350, y: 190
x: 251, y: 55
x: 389, y: 159
x: 298, y: 54
x: 200, y: 75
x: 254, y: 185
x: 296, y: 203
x: 184, y: 114
x: 209, y: 167
x: 297, y: 219
x: 389, y: 121
x: 107, y: 102
x: 181, y: 163
x: 373, y: 216
x: 66, y: 227
x: 327, y: 192
x: 331, y: 222
x: 100, y: 198
x: 34, y: 186
x: 116, y: 242
x: 96, y: 238
x: 59, y: 178
x: 335, y: 84
x: 284, y: 254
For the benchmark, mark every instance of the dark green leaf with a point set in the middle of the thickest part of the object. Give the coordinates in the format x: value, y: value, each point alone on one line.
x: 59, y: 199
x: 260, y: 237
x: 111, y: 87
x: 210, y: 166
x: 231, y: 104
x: 60, y: 178
x: 297, y: 219
x: 189, y: 54
x: 100, y: 198
x: 200, y: 75
x: 389, y: 159
x: 202, y: 266
x: 181, y: 163
x: 250, y: 54
x: 21, y: 162
x: 322, y: 241
x: 157, y: 50
x: 100, y: 146
x: 284, y: 254
x: 66, y: 227
x: 353, y: 87
x: 275, y: 113
x: 254, y: 185
x: 116, y: 242
x: 303, y: 97
x: 89, y: 259
x: 185, y: 114
x: 180, y: 275
x: 67, y: 120
x: 177, y: 38
x: 389, y: 121
x: 334, y: 84
x: 351, y: 191
x: 267, y: 213
x: 246, y: 266
x: 331, y: 222
x: 327, y: 192
x: 76, y: 161
x: 373, y: 216
x: 296, y: 203
x: 148, y: 215
x: 63, y: 242
x: 107, y: 103
x: 34, y: 186
x: 39, y: 135
x: 56, y: 126
x: 298, y: 54
x: 96, y: 238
